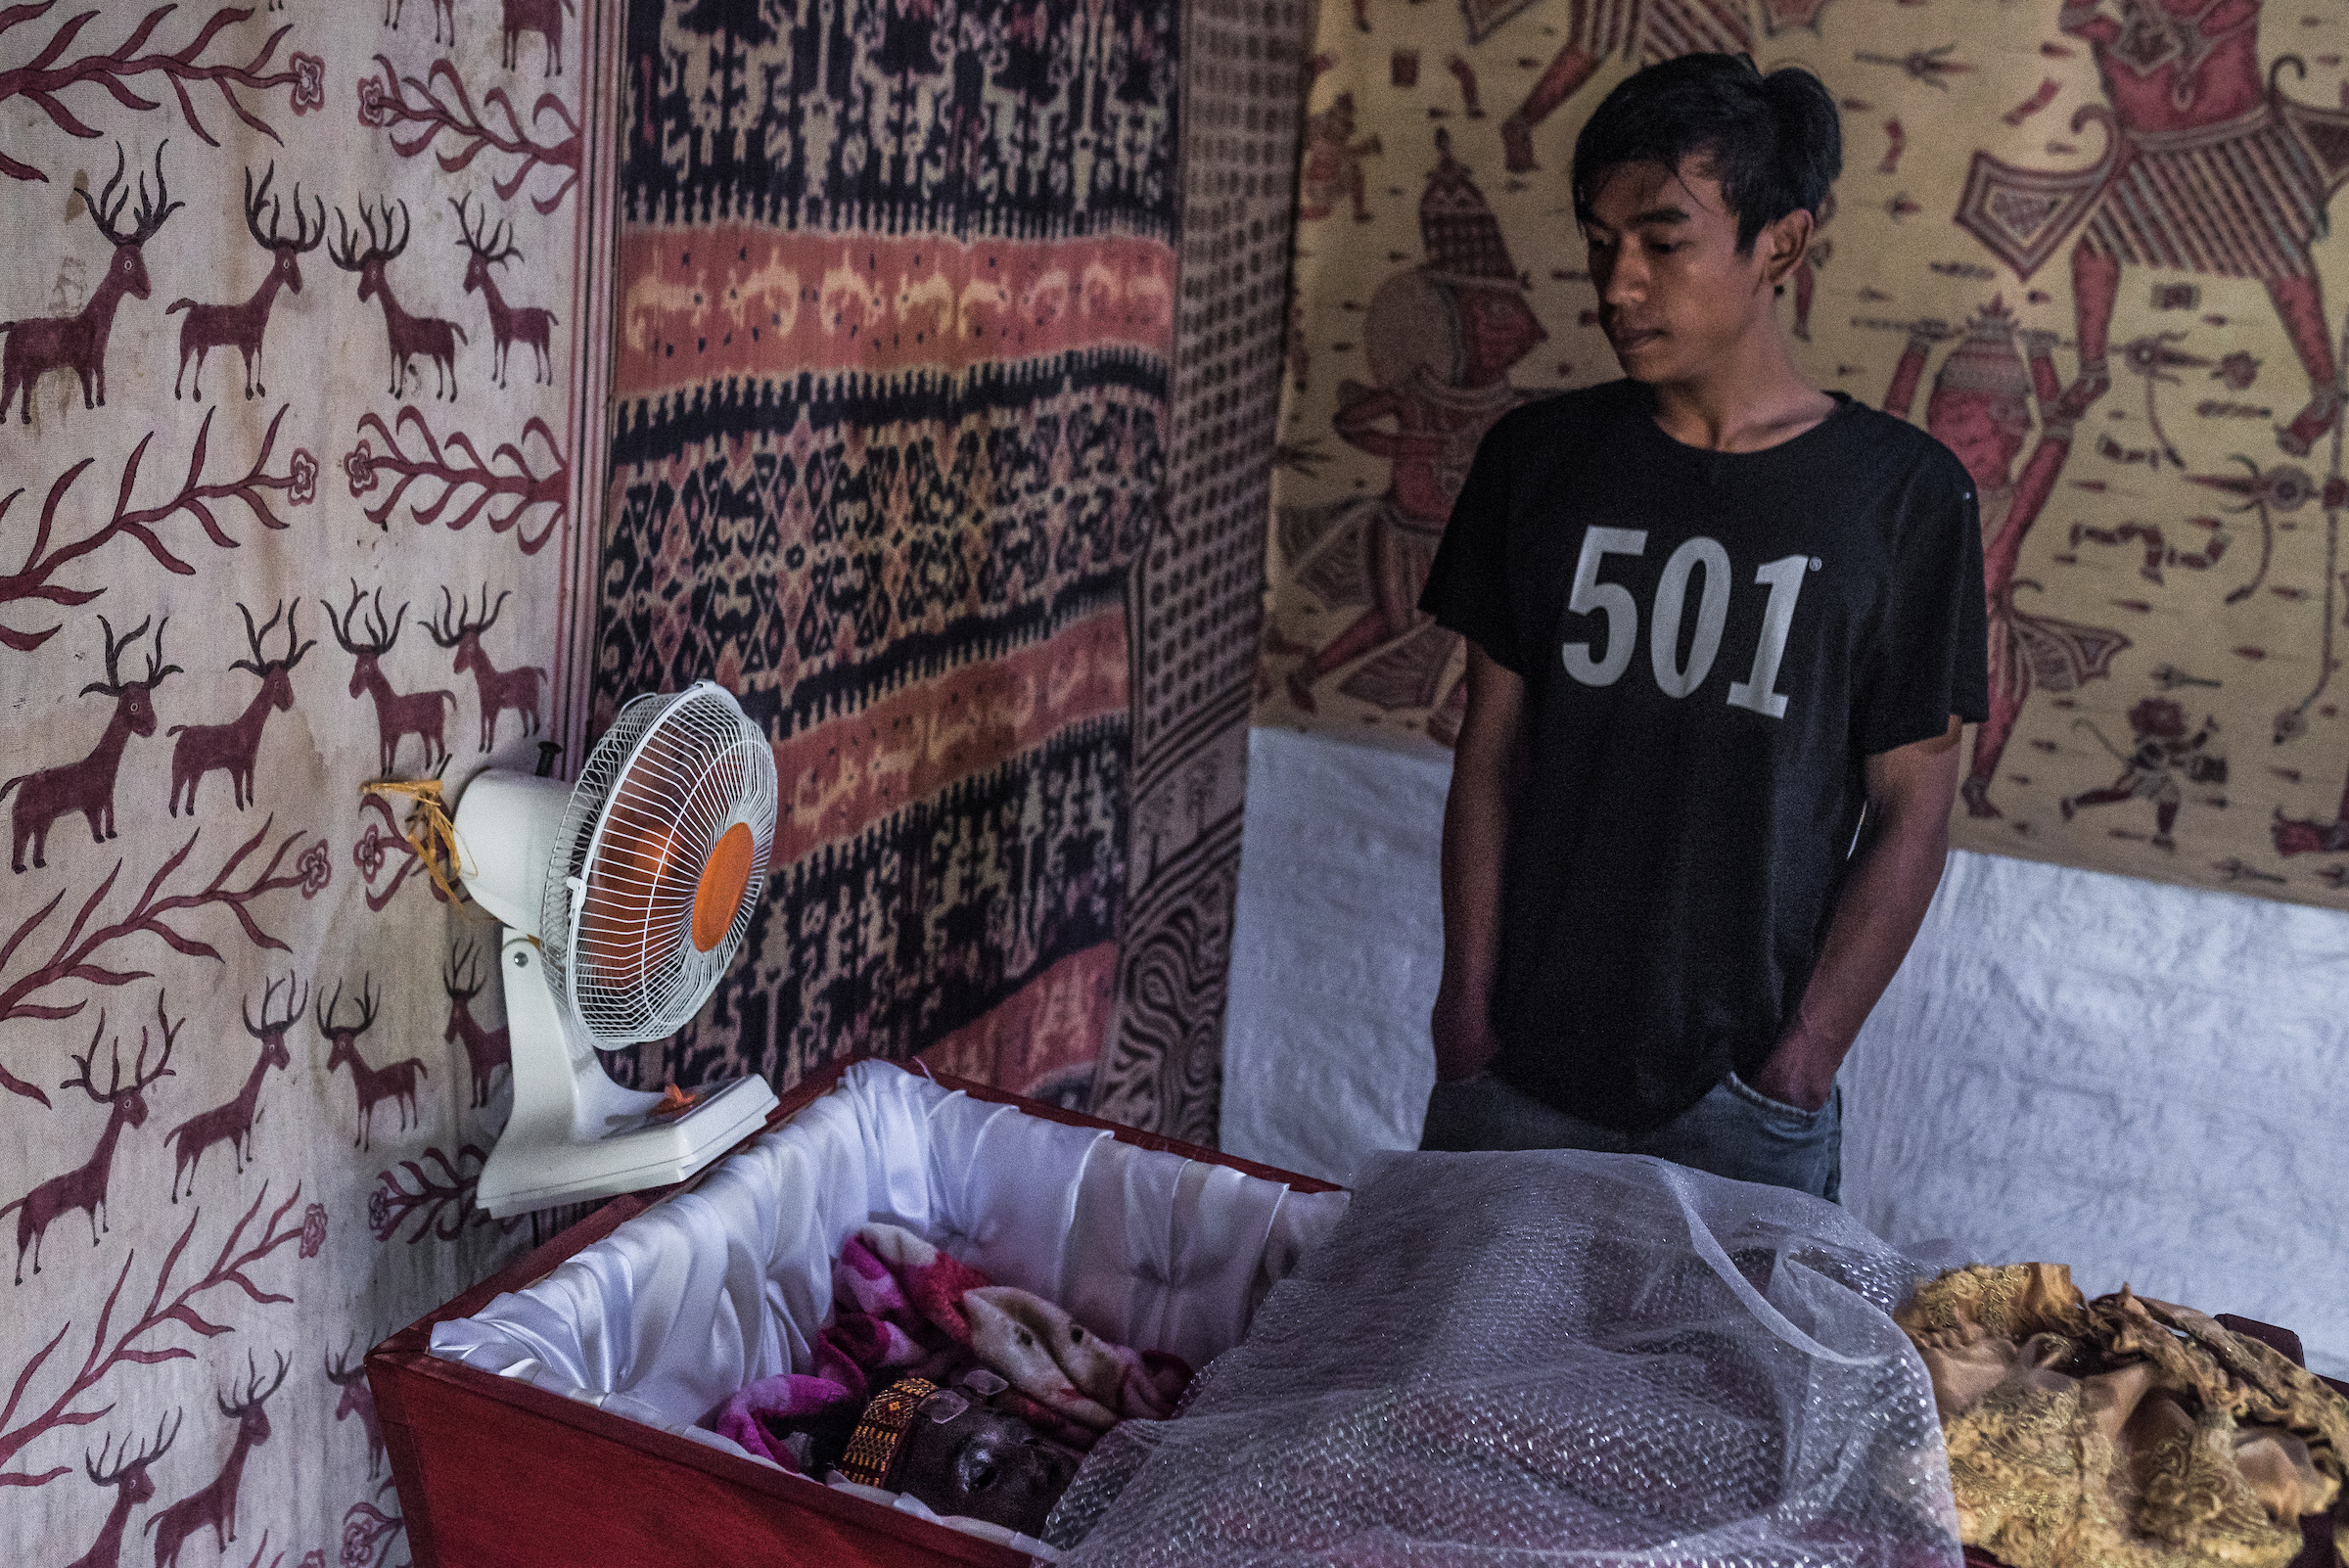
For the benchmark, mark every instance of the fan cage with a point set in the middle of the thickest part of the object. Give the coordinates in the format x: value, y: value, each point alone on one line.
x: 672, y: 774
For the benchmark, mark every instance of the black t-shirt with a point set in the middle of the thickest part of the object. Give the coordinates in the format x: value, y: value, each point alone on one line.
x: 1711, y: 644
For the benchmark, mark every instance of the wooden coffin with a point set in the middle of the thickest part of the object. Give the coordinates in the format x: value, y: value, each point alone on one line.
x: 496, y: 1473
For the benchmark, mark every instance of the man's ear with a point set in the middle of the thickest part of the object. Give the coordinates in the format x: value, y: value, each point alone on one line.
x: 1783, y: 243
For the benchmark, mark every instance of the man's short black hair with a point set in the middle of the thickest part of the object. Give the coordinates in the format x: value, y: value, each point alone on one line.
x: 1775, y: 142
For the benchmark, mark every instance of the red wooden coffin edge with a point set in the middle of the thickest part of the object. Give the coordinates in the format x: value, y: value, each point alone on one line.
x: 621, y: 1492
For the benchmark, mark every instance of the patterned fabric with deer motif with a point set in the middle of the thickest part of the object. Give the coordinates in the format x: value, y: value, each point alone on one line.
x: 293, y: 399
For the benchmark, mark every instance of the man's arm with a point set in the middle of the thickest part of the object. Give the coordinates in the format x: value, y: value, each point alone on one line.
x: 1486, y: 765
x: 1909, y: 789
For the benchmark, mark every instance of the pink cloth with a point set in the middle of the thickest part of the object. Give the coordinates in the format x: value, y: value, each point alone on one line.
x: 900, y: 1308
x: 764, y: 1414
x: 904, y: 1307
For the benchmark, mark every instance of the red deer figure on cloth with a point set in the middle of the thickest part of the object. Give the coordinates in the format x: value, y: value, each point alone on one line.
x: 132, y: 1487
x: 88, y: 786
x: 485, y: 1049
x: 241, y: 326
x: 232, y: 1124
x: 440, y: 9
x: 357, y: 1401
x: 373, y: 1084
x: 541, y: 17
x: 531, y: 325
x: 499, y: 689
x: 234, y: 747
x: 215, y: 1504
x: 409, y: 335
x: 396, y: 713
x: 84, y: 1186
x: 78, y: 343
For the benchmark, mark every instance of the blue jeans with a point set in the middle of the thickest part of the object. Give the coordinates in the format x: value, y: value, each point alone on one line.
x: 1733, y: 1132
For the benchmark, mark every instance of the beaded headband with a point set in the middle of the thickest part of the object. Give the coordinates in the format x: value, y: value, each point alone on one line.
x: 880, y: 1437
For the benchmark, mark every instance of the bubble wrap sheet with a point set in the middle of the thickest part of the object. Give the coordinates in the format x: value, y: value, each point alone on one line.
x: 1548, y: 1358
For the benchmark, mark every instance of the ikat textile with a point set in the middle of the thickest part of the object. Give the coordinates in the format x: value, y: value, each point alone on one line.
x: 294, y: 415
x: 2086, y: 245
x: 894, y: 326
x: 1196, y: 596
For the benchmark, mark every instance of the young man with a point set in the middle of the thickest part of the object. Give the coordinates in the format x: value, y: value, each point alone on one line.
x: 1723, y: 631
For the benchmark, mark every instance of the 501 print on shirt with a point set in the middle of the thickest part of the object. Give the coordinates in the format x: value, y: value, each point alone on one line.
x: 1604, y: 664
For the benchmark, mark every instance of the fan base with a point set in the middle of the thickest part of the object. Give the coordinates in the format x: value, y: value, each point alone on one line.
x: 528, y: 1172
x: 572, y: 1133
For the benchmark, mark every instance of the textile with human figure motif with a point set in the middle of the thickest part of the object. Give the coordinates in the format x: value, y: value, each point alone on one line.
x: 291, y: 402
x: 2083, y: 244
x: 895, y: 313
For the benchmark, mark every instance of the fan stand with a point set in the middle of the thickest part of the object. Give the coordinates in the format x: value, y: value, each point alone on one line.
x: 574, y: 1134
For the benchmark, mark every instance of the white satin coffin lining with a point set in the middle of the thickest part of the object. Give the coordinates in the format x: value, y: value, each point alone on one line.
x: 662, y: 1320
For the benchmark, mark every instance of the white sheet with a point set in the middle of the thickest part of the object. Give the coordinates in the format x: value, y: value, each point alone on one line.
x: 676, y: 1309
x: 2143, y: 1081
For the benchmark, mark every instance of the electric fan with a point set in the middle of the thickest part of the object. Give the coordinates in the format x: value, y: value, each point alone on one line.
x: 624, y: 896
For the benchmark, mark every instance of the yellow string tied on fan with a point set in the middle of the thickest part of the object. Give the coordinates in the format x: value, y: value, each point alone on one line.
x: 430, y: 832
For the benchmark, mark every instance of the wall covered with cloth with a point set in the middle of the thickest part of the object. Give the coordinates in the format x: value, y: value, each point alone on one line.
x: 902, y: 378
x: 293, y: 421
x: 1195, y: 602
x: 2085, y: 245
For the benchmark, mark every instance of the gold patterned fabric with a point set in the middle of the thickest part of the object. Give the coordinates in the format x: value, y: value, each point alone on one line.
x: 2122, y: 1432
x: 871, y: 1458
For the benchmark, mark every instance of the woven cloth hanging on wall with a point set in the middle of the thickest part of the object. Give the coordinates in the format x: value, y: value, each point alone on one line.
x: 292, y: 403
x: 1197, y: 593
x: 895, y: 319
x: 2085, y: 246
